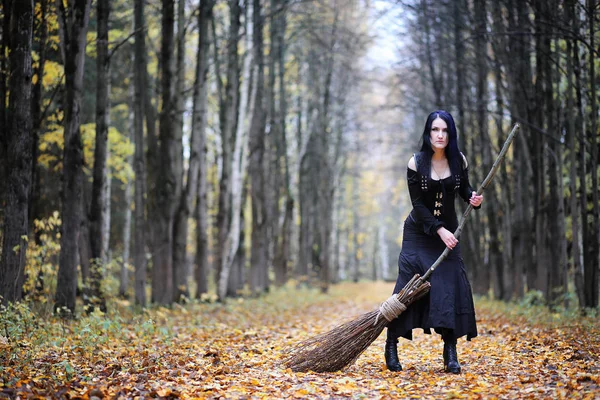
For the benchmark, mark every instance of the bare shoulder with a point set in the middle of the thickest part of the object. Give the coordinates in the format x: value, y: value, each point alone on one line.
x: 465, y: 162
x: 411, y: 164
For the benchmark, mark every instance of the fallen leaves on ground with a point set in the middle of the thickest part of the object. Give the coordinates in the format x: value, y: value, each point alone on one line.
x: 234, y: 350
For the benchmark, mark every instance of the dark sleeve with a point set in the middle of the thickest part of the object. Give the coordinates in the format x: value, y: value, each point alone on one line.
x: 466, y: 190
x: 421, y: 214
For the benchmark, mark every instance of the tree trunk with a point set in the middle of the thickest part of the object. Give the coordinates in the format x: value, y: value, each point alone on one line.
x: 202, y: 204
x: 259, y: 255
x: 342, y: 237
x: 556, y: 212
x: 494, y: 264
x: 284, y: 253
x: 274, y: 173
x: 504, y: 201
x: 555, y: 205
x: 340, y: 243
x: 179, y: 97
x: 355, y: 229
x: 36, y: 114
x: 539, y: 165
x: 166, y: 177
x: 74, y: 34
x: 582, y: 168
x: 19, y: 154
x: 4, y: 47
x: 334, y: 243
x: 302, y: 169
x: 202, y: 228
x: 570, y: 113
x: 153, y: 158
x: 459, y: 53
x: 100, y: 202
x: 124, y: 278
x: 139, y: 82
x: 238, y: 271
x: 306, y: 211
x: 84, y: 248
x: 310, y: 183
x: 180, y: 278
x: 238, y: 166
x: 326, y: 165
x: 197, y: 146
x: 521, y: 103
x: 475, y: 254
x: 229, y: 111
x: 592, y: 265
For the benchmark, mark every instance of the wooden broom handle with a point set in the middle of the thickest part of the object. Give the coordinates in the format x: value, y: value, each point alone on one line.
x: 484, y: 185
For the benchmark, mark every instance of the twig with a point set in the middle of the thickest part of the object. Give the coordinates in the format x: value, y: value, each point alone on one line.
x: 56, y: 89
x: 122, y: 42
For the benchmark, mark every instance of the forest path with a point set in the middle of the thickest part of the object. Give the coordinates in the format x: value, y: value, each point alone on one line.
x: 234, y: 350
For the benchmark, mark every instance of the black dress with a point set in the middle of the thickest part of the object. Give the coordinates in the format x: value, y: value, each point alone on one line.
x: 450, y: 301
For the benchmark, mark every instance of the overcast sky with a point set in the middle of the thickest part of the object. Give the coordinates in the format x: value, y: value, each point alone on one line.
x: 385, y: 21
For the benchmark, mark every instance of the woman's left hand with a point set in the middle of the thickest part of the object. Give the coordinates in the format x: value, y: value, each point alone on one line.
x: 476, y: 200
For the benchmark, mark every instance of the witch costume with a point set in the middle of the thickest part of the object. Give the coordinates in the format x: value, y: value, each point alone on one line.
x: 448, y: 308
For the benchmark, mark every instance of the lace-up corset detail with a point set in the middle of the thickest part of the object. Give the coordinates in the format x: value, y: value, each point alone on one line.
x: 438, y: 204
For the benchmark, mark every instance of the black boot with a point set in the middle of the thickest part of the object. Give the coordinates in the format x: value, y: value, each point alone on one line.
x: 450, y: 357
x: 391, y: 355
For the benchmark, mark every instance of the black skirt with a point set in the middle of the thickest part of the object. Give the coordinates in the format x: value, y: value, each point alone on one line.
x: 449, y: 304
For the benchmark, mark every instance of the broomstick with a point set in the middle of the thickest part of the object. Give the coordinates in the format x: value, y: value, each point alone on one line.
x: 334, y: 350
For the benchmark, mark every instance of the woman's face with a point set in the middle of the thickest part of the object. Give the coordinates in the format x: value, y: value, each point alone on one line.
x: 439, y: 134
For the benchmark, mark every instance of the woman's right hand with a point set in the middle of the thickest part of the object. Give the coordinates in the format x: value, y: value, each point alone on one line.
x: 447, y: 237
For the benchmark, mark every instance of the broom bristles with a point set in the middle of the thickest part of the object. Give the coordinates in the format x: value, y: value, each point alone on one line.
x: 340, y: 347
x: 331, y: 351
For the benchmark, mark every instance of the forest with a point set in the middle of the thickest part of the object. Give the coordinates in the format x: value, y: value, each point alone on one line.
x: 163, y: 154
x: 174, y: 150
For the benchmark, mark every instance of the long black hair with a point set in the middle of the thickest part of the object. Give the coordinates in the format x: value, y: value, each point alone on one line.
x: 452, y: 151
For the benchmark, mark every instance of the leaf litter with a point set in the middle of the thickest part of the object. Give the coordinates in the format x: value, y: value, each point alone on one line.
x: 234, y: 350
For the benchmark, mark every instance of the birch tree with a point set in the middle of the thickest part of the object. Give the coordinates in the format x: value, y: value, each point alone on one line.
x: 239, y: 162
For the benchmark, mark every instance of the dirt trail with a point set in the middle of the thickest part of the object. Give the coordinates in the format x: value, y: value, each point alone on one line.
x: 233, y: 351
x: 507, y: 360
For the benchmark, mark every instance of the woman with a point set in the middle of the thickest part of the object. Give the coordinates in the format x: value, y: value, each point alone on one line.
x: 435, y: 175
